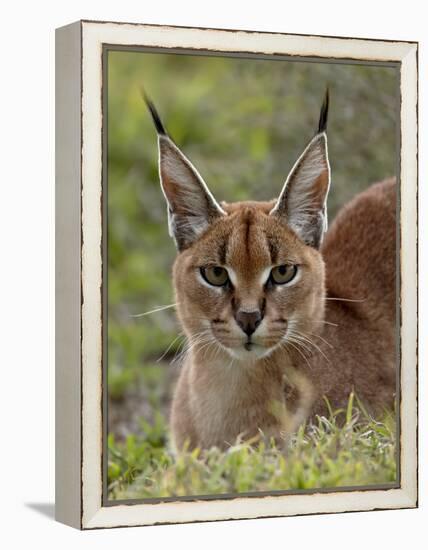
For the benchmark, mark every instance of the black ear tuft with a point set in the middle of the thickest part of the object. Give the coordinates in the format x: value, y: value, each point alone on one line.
x: 322, y: 124
x: 160, y: 128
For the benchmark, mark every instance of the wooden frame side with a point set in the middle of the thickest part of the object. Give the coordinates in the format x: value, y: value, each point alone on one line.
x: 67, y: 275
x: 409, y: 273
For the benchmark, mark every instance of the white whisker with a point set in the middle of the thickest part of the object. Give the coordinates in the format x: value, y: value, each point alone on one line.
x: 322, y: 339
x: 155, y: 310
x: 294, y: 345
x: 197, y: 342
x: 346, y: 299
x: 169, y: 347
x: 329, y: 323
x: 296, y: 339
x: 305, y: 338
x: 321, y: 322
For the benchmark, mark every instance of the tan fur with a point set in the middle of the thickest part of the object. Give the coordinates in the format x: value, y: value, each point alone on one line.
x: 360, y: 256
x: 219, y: 397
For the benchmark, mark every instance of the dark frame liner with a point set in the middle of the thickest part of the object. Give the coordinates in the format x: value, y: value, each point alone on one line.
x: 104, y: 214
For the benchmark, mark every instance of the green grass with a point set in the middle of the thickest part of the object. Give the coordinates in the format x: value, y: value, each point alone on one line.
x: 347, y: 449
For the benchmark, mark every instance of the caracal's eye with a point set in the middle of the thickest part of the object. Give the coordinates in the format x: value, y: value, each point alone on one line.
x: 215, y: 275
x: 282, y: 274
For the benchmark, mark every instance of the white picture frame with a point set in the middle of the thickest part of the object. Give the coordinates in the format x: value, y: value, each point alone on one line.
x: 79, y: 273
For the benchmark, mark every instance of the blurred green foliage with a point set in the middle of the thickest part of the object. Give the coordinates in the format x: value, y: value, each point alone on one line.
x: 243, y: 123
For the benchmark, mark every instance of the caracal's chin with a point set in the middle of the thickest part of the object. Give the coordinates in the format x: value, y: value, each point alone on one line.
x: 249, y: 353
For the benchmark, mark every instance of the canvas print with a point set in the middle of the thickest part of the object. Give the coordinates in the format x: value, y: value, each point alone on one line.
x: 251, y: 307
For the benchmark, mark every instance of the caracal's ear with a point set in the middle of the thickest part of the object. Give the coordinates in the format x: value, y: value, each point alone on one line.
x: 191, y: 206
x: 302, y: 203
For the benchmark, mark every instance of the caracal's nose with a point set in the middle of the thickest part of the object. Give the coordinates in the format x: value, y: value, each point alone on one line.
x: 248, y: 320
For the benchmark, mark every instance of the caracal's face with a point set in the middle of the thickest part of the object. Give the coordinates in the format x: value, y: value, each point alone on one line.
x: 249, y: 285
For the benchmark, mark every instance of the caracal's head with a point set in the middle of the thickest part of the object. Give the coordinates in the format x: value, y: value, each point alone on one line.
x: 248, y: 277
